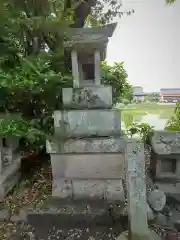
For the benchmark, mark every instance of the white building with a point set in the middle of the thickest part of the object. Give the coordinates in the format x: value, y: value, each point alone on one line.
x: 138, y: 94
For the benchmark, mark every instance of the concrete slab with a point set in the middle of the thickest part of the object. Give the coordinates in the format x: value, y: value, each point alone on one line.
x: 87, y: 145
x: 87, y: 123
x: 88, y: 166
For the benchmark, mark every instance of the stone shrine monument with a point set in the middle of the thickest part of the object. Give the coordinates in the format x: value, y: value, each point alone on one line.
x: 88, y: 157
x: 9, y: 165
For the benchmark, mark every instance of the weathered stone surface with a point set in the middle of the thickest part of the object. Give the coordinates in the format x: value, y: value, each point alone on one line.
x: 136, y: 189
x: 62, y: 188
x: 165, y: 142
x: 15, y: 218
x: 84, y: 123
x: 150, y: 214
x: 177, y: 225
x: 92, y: 166
x: 9, y: 178
x: 88, y: 34
x: 23, y: 214
x: 169, y: 188
x: 87, y: 145
x: 88, y: 97
x: 149, y: 183
x: 157, y: 200
x: 114, y: 190
x: 161, y: 220
x: 88, y: 189
x: 4, y: 215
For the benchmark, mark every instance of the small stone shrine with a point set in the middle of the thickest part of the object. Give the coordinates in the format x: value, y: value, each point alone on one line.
x: 9, y: 164
x: 165, y: 160
x: 88, y: 159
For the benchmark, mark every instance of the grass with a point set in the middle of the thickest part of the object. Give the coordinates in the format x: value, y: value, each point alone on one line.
x: 135, y: 112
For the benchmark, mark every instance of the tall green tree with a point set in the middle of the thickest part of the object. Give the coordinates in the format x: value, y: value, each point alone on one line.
x: 33, y: 64
x: 117, y: 77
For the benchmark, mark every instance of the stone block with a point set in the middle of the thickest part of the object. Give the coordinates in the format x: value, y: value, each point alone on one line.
x: 166, y: 166
x: 9, y: 178
x: 114, y: 190
x: 83, y: 189
x: 88, y: 97
x: 87, y: 145
x: 169, y: 188
x: 86, y: 123
x: 165, y: 142
x: 91, y: 166
x: 62, y: 188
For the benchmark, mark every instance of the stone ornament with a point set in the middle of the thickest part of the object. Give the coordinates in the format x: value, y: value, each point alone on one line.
x: 157, y: 200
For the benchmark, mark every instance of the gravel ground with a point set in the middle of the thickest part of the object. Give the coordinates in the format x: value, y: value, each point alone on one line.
x: 34, y: 192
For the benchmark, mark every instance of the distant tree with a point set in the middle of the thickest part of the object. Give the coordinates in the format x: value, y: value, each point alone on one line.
x: 170, y: 1
x: 117, y: 77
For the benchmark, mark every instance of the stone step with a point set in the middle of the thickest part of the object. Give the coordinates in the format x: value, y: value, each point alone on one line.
x: 87, y: 145
x: 87, y: 123
x: 45, y: 232
x: 88, y: 97
x: 74, y: 213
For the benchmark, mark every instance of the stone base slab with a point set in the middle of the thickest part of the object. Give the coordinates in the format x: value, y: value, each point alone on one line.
x: 9, y: 178
x: 88, y: 166
x: 87, y: 123
x: 87, y: 97
x: 110, y: 190
x: 87, y: 145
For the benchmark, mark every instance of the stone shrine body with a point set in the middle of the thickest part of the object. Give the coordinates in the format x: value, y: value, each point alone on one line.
x: 88, y: 160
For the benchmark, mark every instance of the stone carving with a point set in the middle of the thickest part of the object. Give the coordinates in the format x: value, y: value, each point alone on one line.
x: 166, y: 142
x: 88, y: 97
x: 85, y: 97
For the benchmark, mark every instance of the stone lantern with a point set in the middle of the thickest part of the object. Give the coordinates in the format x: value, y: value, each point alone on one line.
x: 88, y: 159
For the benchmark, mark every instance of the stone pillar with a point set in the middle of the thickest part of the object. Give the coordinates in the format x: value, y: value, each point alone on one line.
x: 75, y: 68
x: 97, y: 63
x: 136, y: 188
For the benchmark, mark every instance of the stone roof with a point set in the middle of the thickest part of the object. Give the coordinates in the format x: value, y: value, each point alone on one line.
x: 91, y: 34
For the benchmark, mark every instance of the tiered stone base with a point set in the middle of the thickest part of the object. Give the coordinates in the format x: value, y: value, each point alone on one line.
x: 88, y: 159
x: 82, y: 176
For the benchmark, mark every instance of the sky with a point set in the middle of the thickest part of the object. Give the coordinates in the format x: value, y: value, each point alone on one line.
x: 149, y: 44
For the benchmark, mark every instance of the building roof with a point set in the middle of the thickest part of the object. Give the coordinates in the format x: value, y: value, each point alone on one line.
x: 170, y: 91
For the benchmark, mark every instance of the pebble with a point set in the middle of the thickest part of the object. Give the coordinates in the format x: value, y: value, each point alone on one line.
x: 157, y: 200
